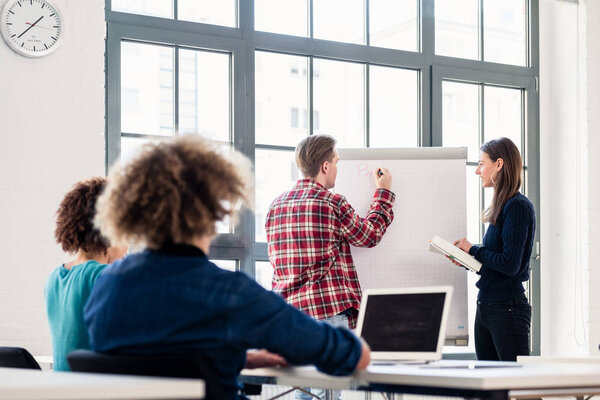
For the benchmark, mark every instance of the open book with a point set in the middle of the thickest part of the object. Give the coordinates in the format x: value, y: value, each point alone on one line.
x: 439, y: 245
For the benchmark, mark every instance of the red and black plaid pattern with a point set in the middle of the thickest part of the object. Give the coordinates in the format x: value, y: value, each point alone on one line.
x: 309, y: 231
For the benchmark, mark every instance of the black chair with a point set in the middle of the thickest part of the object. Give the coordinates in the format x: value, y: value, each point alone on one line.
x: 17, y: 357
x: 165, y: 365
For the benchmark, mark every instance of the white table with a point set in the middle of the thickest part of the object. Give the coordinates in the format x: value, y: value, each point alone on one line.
x: 489, y: 380
x: 558, y: 359
x: 27, y: 384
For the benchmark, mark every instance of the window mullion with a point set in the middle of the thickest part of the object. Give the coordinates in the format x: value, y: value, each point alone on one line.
x: 176, y: 91
x: 367, y: 72
x: 481, y: 27
x: 310, y: 95
x: 310, y: 19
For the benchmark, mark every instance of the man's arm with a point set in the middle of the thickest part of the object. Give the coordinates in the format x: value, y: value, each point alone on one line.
x: 368, y: 231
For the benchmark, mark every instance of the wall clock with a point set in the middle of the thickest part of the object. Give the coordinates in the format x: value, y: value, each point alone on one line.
x: 32, y: 28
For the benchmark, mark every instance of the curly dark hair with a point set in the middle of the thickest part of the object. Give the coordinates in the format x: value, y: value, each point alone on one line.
x: 172, y: 192
x: 75, y: 218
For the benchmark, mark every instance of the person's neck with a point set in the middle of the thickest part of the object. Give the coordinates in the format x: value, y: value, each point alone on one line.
x: 83, y: 256
x: 203, y: 243
x: 320, y: 179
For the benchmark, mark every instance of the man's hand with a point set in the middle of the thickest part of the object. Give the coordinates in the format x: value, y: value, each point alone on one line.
x: 365, y: 356
x: 263, y: 359
x: 383, y: 178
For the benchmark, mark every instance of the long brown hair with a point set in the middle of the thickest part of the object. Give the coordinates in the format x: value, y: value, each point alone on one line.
x: 508, y: 179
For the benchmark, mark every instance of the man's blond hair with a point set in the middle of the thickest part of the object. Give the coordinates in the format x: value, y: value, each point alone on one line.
x: 312, y: 152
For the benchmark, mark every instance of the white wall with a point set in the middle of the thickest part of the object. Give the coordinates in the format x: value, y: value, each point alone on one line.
x: 51, y: 135
x: 592, y: 111
x: 569, y: 124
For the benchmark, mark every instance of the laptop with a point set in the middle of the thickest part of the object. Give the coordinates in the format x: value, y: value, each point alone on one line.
x: 406, y: 325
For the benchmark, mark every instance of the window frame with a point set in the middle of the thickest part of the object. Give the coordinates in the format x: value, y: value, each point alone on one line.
x: 243, y: 41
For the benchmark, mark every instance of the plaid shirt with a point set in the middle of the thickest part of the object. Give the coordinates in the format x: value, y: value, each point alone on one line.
x: 309, y: 231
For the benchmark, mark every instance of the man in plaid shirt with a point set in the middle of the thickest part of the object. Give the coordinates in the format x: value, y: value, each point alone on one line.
x: 310, y: 230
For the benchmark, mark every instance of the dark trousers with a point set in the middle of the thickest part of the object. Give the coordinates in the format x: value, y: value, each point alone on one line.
x: 502, y: 329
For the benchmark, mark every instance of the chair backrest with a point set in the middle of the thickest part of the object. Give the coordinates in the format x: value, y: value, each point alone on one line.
x: 17, y: 357
x: 166, y: 365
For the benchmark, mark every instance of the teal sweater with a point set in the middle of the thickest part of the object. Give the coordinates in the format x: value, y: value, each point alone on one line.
x: 66, y: 293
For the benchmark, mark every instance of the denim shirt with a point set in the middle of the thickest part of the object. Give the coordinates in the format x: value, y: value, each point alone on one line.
x: 176, y: 301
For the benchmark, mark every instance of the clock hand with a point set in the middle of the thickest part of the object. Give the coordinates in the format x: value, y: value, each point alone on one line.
x: 39, y: 26
x: 32, y: 25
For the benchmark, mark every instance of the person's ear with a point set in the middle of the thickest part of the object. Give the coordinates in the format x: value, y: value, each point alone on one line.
x: 499, y: 164
x: 325, y: 167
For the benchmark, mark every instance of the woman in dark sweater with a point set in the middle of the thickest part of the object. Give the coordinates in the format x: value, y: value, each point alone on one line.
x: 503, y: 318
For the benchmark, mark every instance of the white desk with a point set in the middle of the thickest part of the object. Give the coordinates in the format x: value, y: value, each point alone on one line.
x: 557, y: 359
x: 453, y: 378
x: 27, y: 384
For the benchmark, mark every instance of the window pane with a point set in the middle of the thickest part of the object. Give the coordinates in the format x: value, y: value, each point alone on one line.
x: 339, y: 100
x: 225, y: 226
x: 216, y: 12
x: 263, y: 273
x: 155, y: 8
x: 502, y: 114
x: 276, y: 172
x: 281, y: 86
x: 460, y: 117
x: 505, y: 31
x: 340, y: 20
x: 394, y: 107
x: 393, y: 24
x: 130, y: 147
x: 230, y: 265
x: 456, y: 28
x: 204, y: 94
x: 288, y: 17
x: 146, y: 89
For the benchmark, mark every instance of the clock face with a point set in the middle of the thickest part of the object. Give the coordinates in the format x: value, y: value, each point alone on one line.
x: 31, y: 27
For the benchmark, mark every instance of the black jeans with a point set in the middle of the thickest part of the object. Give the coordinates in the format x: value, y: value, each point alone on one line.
x: 502, y: 329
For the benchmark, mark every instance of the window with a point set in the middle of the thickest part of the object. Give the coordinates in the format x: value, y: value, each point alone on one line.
x: 264, y: 273
x: 279, y: 90
x: 394, y: 103
x: 294, y: 118
x: 230, y: 265
x: 476, y: 109
x: 339, y: 98
x: 382, y: 73
x: 496, y: 34
x: 218, y: 12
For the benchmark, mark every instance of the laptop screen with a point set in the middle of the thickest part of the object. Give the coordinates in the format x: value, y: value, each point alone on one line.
x: 404, y: 322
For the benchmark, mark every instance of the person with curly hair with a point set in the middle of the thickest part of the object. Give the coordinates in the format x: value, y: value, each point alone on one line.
x: 170, y: 298
x: 69, y: 285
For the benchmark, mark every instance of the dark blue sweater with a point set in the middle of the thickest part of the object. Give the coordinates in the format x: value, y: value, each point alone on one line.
x: 505, y: 252
x: 177, y: 301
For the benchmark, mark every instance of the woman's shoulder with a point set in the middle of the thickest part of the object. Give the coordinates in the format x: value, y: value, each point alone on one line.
x: 519, y: 203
